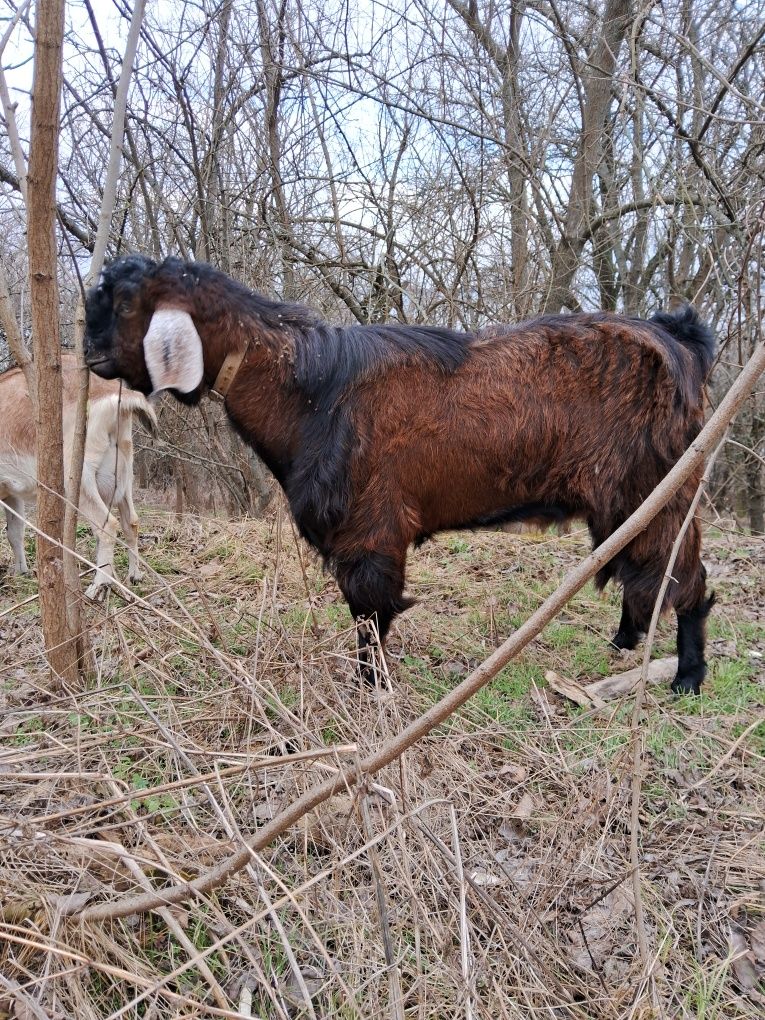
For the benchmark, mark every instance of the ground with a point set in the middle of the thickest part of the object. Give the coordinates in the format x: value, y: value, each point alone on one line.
x: 488, y: 874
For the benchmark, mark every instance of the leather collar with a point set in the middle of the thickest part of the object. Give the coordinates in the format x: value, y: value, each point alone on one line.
x: 227, y: 374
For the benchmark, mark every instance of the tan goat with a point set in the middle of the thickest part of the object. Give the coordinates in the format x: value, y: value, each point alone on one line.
x: 107, y: 473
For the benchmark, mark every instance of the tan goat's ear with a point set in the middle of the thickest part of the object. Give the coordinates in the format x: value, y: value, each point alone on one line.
x: 173, y: 351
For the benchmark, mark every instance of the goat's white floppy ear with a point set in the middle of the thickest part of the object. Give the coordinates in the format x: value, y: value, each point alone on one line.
x: 173, y: 351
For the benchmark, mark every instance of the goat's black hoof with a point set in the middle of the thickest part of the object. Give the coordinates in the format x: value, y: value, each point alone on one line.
x: 686, y: 685
x: 626, y: 640
x: 367, y: 674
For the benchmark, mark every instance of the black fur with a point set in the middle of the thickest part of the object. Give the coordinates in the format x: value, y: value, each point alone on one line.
x: 373, y: 587
x: 671, y: 328
x: 318, y: 486
x: 628, y: 634
x: 326, y: 359
x: 686, y: 327
x: 328, y: 363
x: 690, y: 648
x: 325, y: 374
x: 545, y: 513
x: 329, y: 359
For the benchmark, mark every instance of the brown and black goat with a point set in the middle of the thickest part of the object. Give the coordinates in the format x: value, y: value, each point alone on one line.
x: 382, y: 435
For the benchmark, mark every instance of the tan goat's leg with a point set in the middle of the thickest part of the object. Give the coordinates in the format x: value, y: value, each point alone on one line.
x: 129, y: 521
x: 15, y: 521
x: 104, y: 525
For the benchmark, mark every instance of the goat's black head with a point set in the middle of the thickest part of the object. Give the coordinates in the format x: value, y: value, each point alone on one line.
x: 139, y: 327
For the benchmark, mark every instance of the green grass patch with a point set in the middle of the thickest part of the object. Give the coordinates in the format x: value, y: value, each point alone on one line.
x: 664, y: 741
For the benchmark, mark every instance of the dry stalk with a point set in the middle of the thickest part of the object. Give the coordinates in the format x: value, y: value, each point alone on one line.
x: 272, y: 913
x: 396, y: 998
x: 254, y: 918
x: 735, y: 746
x: 314, y: 622
x: 26, y: 1004
x: 465, y: 953
x: 519, y: 942
x: 183, y: 940
x: 19, y: 937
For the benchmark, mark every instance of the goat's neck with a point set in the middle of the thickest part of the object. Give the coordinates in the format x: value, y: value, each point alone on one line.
x: 262, y: 401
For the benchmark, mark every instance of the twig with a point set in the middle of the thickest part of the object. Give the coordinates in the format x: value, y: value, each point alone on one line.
x: 521, y: 944
x: 172, y: 923
x: 725, y: 758
x: 274, y: 915
x: 24, y: 939
x: 27, y: 1005
x: 396, y: 998
x: 464, y: 928
x: 290, y: 899
x: 260, y: 762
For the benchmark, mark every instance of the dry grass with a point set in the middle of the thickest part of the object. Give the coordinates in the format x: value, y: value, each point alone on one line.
x: 486, y: 875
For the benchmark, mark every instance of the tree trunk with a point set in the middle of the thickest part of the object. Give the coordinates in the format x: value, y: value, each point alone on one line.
x: 506, y: 59
x: 60, y: 643
x: 272, y: 39
x: 597, y: 90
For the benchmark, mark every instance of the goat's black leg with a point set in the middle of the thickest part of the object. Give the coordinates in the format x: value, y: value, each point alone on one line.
x: 691, y: 665
x: 629, y: 633
x: 372, y: 585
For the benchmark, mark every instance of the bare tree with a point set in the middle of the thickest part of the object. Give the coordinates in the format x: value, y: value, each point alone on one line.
x: 60, y: 642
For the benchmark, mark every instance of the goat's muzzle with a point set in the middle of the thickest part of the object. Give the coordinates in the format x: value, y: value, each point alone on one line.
x: 101, y: 364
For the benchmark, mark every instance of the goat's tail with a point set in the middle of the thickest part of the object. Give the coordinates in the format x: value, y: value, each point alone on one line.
x: 136, y: 403
x: 688, y: 329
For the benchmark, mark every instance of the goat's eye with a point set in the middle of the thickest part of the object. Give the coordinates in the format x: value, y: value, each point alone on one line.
x: 122, y: 307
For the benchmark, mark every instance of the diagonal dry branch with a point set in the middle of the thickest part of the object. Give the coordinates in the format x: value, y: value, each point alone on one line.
x: 438, y: 713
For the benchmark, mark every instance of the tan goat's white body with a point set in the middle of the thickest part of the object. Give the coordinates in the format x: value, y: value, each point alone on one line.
x: 107, y: 474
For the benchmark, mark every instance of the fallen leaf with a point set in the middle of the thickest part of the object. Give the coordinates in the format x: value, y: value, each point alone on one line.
x: 332, y: 823
x: 742, y: 962
x: 757, y: 941
x: 210, y: 569
x: 290, y: 988
x: 525, y: 807
x: 597, y: 932
x: 70, y: 902
x: 264, y: 811
x: 483, y: 878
